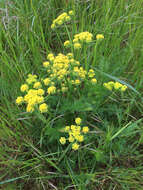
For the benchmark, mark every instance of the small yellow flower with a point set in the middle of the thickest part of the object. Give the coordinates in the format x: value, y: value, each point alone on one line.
x: 108, y: 86
x: 91, y: 73
x: 31, y: 78
x: 40, y: 92
x: 85, y: 129
x: 71, y: 12
x: 71, y: 138
x: 75, y: 40
x: 53, y: 26
x: 67, y: 128
x: 39, y: 99
x: 70, y: 55
x: 46, y: 64
x: 99, y: 36
x: 62, y: 140
x: 77, y: 82
x: 60, y: 22
x: 78, y: 120
x: 50, y: 56
x: 73, y: 127
x: 75, y: 146
x: 19, y: 100
x: 94, y: 81
x: 24, y: 88
x: 46, y: 81
x: 43, y: 108
x: 51, y: 90
x: 37, y: 85
x: 123, y: 88
x: 77, y: 45
x: 67, y: 43
x: 117, y: 85
x: 67, y: 18
x: 80, y: 138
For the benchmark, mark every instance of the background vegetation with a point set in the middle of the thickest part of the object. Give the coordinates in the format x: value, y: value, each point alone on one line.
x: 115, y: 162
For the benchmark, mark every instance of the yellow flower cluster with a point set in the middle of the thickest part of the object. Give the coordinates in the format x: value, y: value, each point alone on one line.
x: 75, y: 134
x: 34, y: 96
x: 115, y: 85
x: 83, y: 37
x: 79, y: 39
x: 63, y: 69
x: 64, y: 17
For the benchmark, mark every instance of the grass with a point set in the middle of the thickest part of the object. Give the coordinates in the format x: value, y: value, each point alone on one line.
x: 30, y: 154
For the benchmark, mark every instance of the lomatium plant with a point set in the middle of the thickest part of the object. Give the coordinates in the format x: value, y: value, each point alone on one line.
x: 68, y: 78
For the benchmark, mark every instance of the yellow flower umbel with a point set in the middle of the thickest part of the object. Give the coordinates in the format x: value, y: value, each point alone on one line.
x: 62, y: 140
x: 24, y: 88
x: 115, y: 85
x: 19, y: 100
x: 46, y: 81
x: 85, y: 129
x: 94, y: 81
x: 64, y: 17
x: 71, y: 12
x: 33, y: 96
x: 51, y: 90
x: 40, y: 92
x: 99, y: 36
x: 77, y: 46
x: 37, y: 85
x: 78, y: 120
x: 75, y: 146
x: 67, y: 43
x: 75, y: 134
x: 43, y: 108
x: 83, y: 37
x: 46, y: 64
